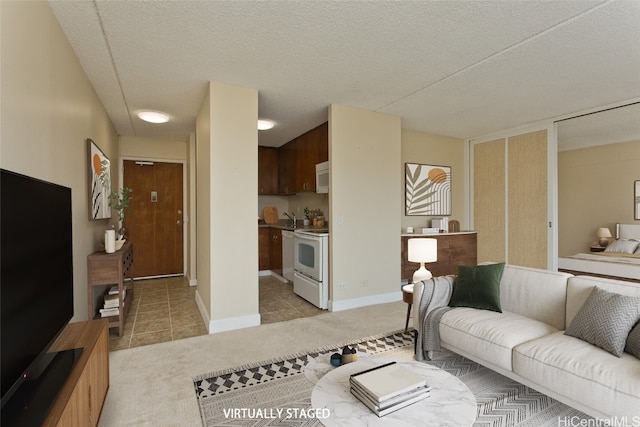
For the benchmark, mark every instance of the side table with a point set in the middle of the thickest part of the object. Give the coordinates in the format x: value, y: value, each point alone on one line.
x: 111, y: 269
x: 407, y: 296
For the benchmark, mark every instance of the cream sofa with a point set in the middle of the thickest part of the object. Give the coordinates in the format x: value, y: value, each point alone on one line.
x: 526, y: 342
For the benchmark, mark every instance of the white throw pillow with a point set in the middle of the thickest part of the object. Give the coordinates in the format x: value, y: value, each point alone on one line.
x: 623, y: 246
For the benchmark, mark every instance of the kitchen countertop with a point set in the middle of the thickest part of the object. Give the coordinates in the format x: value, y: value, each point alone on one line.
x: 284, y: 225
x: 403, y: 234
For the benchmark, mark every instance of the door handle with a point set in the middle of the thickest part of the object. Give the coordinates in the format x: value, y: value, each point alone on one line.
x: 178, y: 222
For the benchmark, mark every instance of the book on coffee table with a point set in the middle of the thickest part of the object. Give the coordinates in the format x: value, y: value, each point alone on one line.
x: 386, y: 381
x: 393, y: 404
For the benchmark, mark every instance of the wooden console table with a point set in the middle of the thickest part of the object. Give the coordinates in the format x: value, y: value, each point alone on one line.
x: 111, y: 269
x: 80, y: 400
x: 454, y: 249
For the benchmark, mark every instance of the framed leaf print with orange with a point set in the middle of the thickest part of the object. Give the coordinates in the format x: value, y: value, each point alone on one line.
x: 427, y: 189
x: 99, y: 168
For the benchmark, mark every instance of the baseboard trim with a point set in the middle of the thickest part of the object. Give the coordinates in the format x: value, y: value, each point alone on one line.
x: 228, y: 324
x: 202, y: 309
x: 364, y: 301
x: 232, y: 323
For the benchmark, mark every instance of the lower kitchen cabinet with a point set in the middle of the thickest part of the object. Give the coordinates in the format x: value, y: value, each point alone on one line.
x: 264, y: 248
x: 275, y: 254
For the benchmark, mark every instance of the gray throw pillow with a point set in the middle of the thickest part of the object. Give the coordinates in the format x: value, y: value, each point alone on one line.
x: 633, y: 342
x: 605, y: 320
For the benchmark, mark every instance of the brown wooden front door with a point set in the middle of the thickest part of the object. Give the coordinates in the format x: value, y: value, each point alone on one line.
x: 155, y: 223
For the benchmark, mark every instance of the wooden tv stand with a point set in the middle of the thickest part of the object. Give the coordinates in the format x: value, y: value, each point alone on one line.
x: 80, y: 401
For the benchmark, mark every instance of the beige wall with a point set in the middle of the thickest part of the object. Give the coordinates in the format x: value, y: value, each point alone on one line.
x: 203, y: 206
x: 595, y: 189
x: 227, y: 232
x: 423, y: 148
x: 365, y: 182
x: 148, y: 148
x: 49, y: 109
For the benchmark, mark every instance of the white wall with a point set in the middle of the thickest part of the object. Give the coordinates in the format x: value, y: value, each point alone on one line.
x: 228, y: 172
x: 48, y: 110
x: 365, y: 182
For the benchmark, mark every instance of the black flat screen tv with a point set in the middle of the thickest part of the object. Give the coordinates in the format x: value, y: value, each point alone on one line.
x: 36, y: 275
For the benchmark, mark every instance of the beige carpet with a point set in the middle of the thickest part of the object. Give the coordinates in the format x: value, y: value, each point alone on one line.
x: 153, y: 385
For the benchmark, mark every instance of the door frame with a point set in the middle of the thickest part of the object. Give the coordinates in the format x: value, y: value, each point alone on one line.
x: 187, y: 217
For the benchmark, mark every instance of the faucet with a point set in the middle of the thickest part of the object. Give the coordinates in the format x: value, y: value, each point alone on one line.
x: 292, y: 218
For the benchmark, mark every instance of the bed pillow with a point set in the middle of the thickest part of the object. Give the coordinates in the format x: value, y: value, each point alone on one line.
x: 605, y: 320
x: 478, y: 287
x: 633, y: 341
x: 623, y: 246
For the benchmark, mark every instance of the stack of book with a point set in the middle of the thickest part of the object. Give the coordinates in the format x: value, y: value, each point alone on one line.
x: 388, y: 387
x: 111, y: 306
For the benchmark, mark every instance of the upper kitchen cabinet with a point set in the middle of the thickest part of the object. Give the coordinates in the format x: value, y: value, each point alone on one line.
x: 267, y: 170
x: 286, y: 168
x: 311, y: 148
x: 297, y: 161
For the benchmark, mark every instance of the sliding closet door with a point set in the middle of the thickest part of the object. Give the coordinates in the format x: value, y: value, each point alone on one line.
x: 488, y: 201
x: 527, y: 199
x: 510, y: 199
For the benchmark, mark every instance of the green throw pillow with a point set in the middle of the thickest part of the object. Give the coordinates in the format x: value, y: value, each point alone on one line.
x: 478, y: 287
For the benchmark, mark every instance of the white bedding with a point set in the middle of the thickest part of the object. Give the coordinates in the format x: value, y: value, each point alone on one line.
x: 623, y: 267
x: 606, y: 263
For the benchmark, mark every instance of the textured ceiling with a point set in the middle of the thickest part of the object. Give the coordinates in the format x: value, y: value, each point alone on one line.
x: 460, y: 68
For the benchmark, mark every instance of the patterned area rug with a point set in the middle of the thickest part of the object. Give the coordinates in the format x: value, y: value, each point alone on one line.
x: 278, y: 392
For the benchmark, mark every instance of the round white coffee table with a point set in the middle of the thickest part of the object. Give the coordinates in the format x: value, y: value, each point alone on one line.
x: 451, y: 403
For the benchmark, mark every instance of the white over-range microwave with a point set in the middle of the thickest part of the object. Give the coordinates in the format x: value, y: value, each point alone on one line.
x: 322, y: 177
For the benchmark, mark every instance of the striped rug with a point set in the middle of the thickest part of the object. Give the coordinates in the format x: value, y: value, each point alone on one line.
x: 278, y: 392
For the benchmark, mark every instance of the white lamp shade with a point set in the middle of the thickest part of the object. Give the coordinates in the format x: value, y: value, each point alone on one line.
x: 603, y: 232
x: 423, y: 250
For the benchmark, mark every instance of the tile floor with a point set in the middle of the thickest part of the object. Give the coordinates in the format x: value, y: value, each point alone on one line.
x: 279, y: 303
x: 165, y: 310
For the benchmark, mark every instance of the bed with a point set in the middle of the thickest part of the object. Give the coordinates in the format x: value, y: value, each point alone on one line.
x: 621, y: 259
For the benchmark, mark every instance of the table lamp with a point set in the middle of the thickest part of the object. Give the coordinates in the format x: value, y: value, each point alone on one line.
x: 422, y: 250
x: 603, y: 234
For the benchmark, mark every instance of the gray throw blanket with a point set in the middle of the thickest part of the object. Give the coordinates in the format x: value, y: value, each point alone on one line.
x: 433, y: 304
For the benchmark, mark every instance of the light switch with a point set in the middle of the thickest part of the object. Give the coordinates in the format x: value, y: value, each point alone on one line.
x: 154, y: 196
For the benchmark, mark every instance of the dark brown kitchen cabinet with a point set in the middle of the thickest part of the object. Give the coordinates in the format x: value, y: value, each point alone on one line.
x: 297, y: 160
x: 275, y: 252
x: 311, y: 148
x: 264, y: 248
x: 286, y: 168
x: 267, y: 170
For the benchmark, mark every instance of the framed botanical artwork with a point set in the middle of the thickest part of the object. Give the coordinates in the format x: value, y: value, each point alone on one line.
x: 99, y: 182
x: 427, y: 189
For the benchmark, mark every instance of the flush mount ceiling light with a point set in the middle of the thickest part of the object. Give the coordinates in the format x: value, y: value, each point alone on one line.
x: 264, y: 124
x: 153, y: 116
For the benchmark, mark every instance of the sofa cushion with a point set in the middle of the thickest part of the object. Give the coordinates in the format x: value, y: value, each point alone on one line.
x: 478, y: 287
x: 633, y: 341
x: 535, y: 293
x: 488, y: 334
x: 605, y: 320
x: 579, y: 288
x: 587, y: 374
